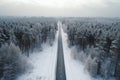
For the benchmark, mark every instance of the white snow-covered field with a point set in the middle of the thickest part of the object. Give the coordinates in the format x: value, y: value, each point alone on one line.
x: 43, y: 63
x: 74, y: 69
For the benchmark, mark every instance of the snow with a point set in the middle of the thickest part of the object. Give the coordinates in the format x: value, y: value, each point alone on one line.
x: 99, y: 78
x: 44, y: 63
x: 74, y: 69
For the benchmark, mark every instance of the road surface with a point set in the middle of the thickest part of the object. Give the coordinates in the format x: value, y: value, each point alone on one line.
x: 60, y: 68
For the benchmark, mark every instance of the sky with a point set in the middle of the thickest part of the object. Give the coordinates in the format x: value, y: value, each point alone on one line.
x: 60, y: 8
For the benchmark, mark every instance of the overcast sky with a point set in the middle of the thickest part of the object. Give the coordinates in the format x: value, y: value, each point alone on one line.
x: 67, y: 8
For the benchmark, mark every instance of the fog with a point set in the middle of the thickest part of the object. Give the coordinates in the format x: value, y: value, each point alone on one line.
x: 64, y: 8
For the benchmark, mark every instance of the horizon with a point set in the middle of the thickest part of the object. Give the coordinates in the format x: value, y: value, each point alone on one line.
x: 5, y: 16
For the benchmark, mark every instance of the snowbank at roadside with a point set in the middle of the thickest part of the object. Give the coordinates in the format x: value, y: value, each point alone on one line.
x: 43, y: 63
x: 74, y: 69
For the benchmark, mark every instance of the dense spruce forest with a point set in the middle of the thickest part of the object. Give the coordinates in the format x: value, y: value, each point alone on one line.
x: 19, y: 37
x: 97, y: 41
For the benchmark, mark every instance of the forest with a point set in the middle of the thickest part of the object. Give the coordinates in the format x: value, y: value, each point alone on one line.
x: 97, y: 41
x: 19, y: 37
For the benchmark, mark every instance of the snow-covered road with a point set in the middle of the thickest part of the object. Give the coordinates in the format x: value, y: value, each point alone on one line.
x: 60, y: 67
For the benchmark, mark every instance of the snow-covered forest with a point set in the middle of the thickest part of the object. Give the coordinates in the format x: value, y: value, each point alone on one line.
x: 29, y: 48
x: 97, y: 44
x: 18, y: 38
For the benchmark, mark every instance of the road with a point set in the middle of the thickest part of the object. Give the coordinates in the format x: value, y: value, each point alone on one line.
x: 60, y: 68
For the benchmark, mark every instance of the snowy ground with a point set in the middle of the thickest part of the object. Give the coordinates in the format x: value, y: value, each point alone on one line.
x: 74, y: 69
x: 44, y: 64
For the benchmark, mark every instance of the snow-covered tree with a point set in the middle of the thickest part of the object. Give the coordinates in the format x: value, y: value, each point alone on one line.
x: 98, y: 38
x: 11, y: 61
